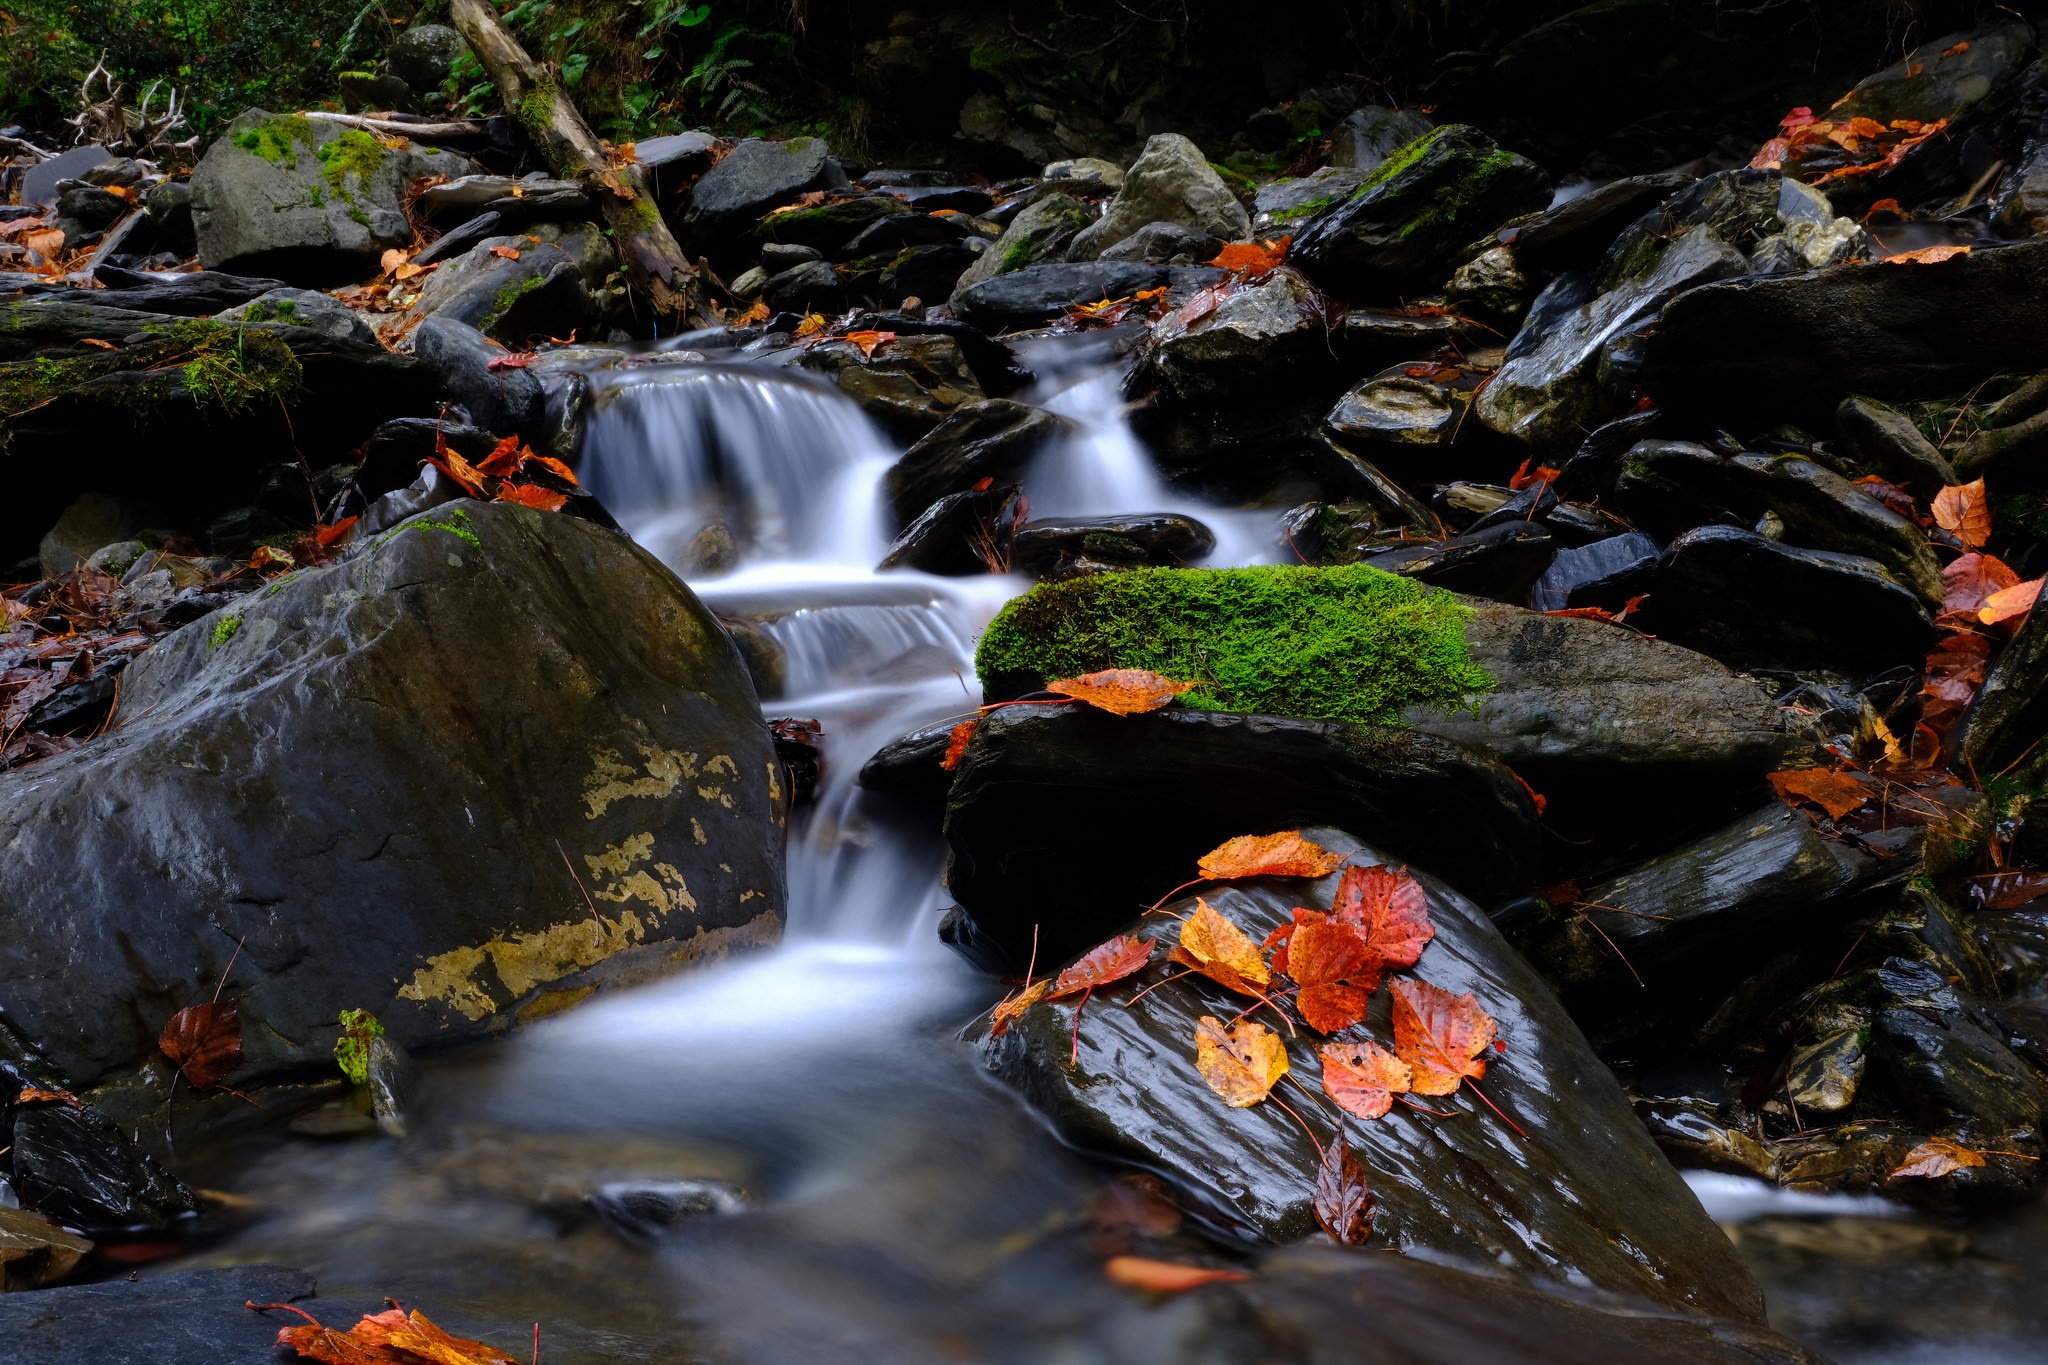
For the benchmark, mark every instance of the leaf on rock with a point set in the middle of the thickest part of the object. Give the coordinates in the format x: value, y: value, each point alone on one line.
x: 331, y: 1347
x: 1103, y: 964
x: 2009, y: 603
x: 1935, y: 1158
x: 1252, y: 260
x: 413, y: 1332
x: 531, y: 495
x: 956, y: 744
x: 1285, y: 854
x: 1963, y: 512
x: 1363, y: 1078
x: 1440, y: 1036
x: 869, y: 342
x: 1390, y: 908
x: 1219, y: 950
x: 1892, y: 496
x: 1010, y: 1010
x: 1973, y: 578
x: 1335, y: 967
x: 327, y: 537
x: 1241, y: 1064
x: 505, y: 457
x: 1343, y: 1195
x: 1833, y: 790
x: 1164, y: 1277
x: 204, y: 1042
x: 1121, y: 691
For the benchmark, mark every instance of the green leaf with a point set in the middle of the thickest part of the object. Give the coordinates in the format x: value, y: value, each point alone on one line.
x: 574, y: 65
x: 352, y: 1049
x: 652, y: 54
x: 690, y: 18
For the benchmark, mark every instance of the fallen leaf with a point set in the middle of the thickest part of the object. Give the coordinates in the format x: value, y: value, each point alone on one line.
x: 331, y: 1347
x: 1252, y: 260
x: 1099, y: 966
x: 1927, y: 255
x: 31, y: 1095
x: 1343, y: 1203
x: 531, y: 495
x: 812, y: 325
x: 1363, y: 1078
x: 869, y: 341
x: 1285, y: 854
x: 45, y: 242
x: 204, y: 1042
x: 956, y: 744
x: 449, y: 461
x: 1890, y: 206
x: 551, y: 465
x: 504, y: 460
x: 1241, y: 1064
x: 1440, y: 1036
x: 1558, y: 893
x: 1934, y: 1158
x: 1391, y: 910
x: 95, y: 341
x: 1892, y: 496
x: 1219, y: 950
x: 332, y: 534
x: 1833, y: 790
x: 1971, y: 579
x: 1121, y: 691
x: 2008, y: 890
x: 352, y: 1049
x: 1523, y: 478
x: 517, y: 360
x: 1958, y: 50
x: 757, y: 313
x: 415, y: 1333
x: 1334, y: 967
x: 1164, y: 1277
x: 1010, y: 1010
x: 2007, y: 603
x: 391, y: 260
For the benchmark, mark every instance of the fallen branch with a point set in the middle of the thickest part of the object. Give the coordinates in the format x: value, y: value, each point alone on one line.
x: 453, y: 131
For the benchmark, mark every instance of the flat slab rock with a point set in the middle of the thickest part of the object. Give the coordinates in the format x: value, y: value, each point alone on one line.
x: 1586, y: 1197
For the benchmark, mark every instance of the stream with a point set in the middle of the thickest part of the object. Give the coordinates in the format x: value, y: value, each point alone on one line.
x: 903, y: 1207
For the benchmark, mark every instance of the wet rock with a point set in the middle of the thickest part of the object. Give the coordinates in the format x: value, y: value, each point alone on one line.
x: 1047, y: 549
x: 908, y: 769
x: 1756, y: 603
x: 1258, y: 339
x: 310, y: 202
x: 2021, y: 208
x: 1402, y: 231
x: 39, y: 183
x: 34, y: 1251
x: 169, y: 206
x: 993, y: 438
x: 1397, y: 408
x: 91, y: 521
x: 1040, y: 233
x: 199, y: 293
x: 75, y: 1164
x: 190, y: 1317
x: 1611, y: 1211
x: 1577, y: 233
x: 2010, y: 711
x: 909, y: 386
x: 641, y: 1211
x: 1492, y: 286
x: 1955, y: 1075
x: 829, y: 227
x: 912, y: 229
x: 542, y: 293
x: 1885, y: 441
x: 1823, y: 1078
x: 304, y: 308
x: 1172, y: 243
x: 1501, y: 562
x: 1596, y: 575
x: 813, y: 287
x: 1065, y: 818
x: 1667, y: 487
x: 961, y: 533
x: 459, y: 356
x: 925, y: 272
x: 1282, y: 204
x: 1039, y: 293
x: 394, y: 1085
x: 347, y: 769
x: 754, y: 177
x: 422, y: 55
x: 1791, y: 347
x: 1171, y: 182
x: 1367, y: 137
x: 1347, y: 472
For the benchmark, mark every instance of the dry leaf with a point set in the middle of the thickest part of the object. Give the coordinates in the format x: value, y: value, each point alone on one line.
x: 1009, y: 1011
x: 1219, y: 950
x: 1164, y: 1277
x: 1935, y: 1158
x: 505, y: 253
x: 1241, y: 1064
x: 1121, y: 691
x: 1285, y: 854
x: 1099, y: 966
x: 812, y: 325
x: 1440, y: 1036
x: 391, y: 260
x: 204, y: 1042
x: 2007, y: 603
x: 95, y: 341
x: 1833, y: 790
x: 45, y: 242
x: 1363, y: 1078
x: 1343, y: 1200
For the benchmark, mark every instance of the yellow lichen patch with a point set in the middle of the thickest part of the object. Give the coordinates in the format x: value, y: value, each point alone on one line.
x: 613, y: 779
x: 661, y: 888
x: 553, y: 1002
x: 528, y: 960
x: 448, y: 978
x: 618, y: 859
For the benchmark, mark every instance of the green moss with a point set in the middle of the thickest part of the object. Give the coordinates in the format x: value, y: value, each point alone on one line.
x: 1241, y: 185
x: 536, y: 111
x: 1301, y: 211
x: 224, y: 367
x: 1350, y: 643
x: 231, y: 368
x: 278, y: 140
x: 352, y: 1048
x: 1016, y: 258
x: 457, y: 525
x: 1399, y: 160
x: 1441, y: 213
x: 502, y: 301
x: 224, y: 630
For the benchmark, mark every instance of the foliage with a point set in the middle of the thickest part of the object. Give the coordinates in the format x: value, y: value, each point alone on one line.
x: 352, y: 1048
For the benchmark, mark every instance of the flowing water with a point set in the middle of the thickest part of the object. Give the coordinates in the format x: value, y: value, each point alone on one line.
x: 905, y: 1208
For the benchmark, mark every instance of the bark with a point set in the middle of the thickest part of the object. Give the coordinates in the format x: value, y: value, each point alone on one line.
x: 654, y: 261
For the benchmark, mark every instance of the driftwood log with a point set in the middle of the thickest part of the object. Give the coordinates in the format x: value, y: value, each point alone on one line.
x: 654, y: 261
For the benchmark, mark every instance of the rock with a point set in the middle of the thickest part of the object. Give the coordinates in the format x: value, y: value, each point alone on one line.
x: 777, y: 257
x: 1046, y: 549
x: 1792, y: 347
x: 199, y: 293
x: 1063, y: 818
x: 1885, y: 441
x: 1039, y: 293
x: 92, y: 520
x: 1281, y: 204
x: 2021, y: 208
x: 91, y: 207
x: 1492, y: 285
x: 2009, y: 714
x: 1402, y: 230
x: 1955, y: 1075
x: 1259, y: 339
x: 39, y: 183
x: 74, y: 1164
x: 311, y: 202
x: 926, y: 272
x: 1595, y: 575
x: 1502, y: 562
x: 1823, y: 1077
x: 306, y: 308
x: 1755, y: 603
x: 504, y: 401
x: 529, y: 199
x: 1366, y: 137
x: 813, y: 287
x: 1170, y: 243
x: 542, y: 293
x: 1577, y: 233
x: 189, y: 1317
x: 827, y: 228
x: 347, y: 769
x: 908, y: 770
x: 749, y: 282
x: 2016, y: 439
x: 422, y: 55
x: 1170, y: 182
x: 1612, y: 1212
x: 1667, y: 487
x: 1397, y: 408
x: 169, y: 205
x: 1090, y: 170
x: 394, y: 1083
x: 754, y: 177
x: 909, y: 386
x: 992, y: 438
x: 641, y: 1211
x: 687, y: 153
x: 911, y: 229
x: 960, y: 534
x: 34, y: 1251
x: 1041, y: 233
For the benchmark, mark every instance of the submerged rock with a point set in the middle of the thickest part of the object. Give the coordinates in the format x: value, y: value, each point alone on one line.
x: 1398, y: 408
x: 1583, y: 1197
x: 990, y: 439
x: 1046, y: 549
x: 188, y: 1317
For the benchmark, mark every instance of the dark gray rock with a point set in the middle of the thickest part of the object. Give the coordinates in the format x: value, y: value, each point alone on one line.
x: 927, y: 273
x: 907, y: 229
x: 967, y: 199
x: 169, y: 205
x: 1282, y: 204
x: 1047, y: 549
x: 1756, y: 603
x: 960, y: 534
x: 1039, y: 293
x: 1583, y: 1197
x: 191, y: 1317
x: 1501, y: 562
x: 459, y: 357
x: 348, y: 770
x: 908, y: 769
x: 829, y: 227
x: 1365, y: 138
x: 1885, y: 441
x: 1259, y: 339
x: 2015, y: 444
x: 1579, y: 574
x: 992, y: 438
x: 1170, y: 182
x: 198, y: 293
x: 1397, y: 408
x: 813, y: 287
x: 1171, y: 243
x: 1577, y: 233
x: 306, y: 308
x: 1956, y: 1076
x: 909, y: 386
x: 39, y: 183
x: 1040, y: 233
x: 458, y: 240
x: 89, y: 522
x: 1067, y: 819
x: 1401, y: 232
x: 2009, y: 714
x: 754, y: 177
x: 2021, y: 208
x: 777, y: 257
x: 90, y: 206
x: 541, y: 293
x: 422, y: 55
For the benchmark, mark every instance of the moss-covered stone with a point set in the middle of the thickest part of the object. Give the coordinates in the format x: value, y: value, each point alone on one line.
x: 354, y: 153
x: 278, y: 139
x: 1350, y: 643
x: 220, y: 368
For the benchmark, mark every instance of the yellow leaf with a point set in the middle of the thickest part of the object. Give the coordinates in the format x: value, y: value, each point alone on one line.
x: 1220, y: 950
x: 1241, y: 1064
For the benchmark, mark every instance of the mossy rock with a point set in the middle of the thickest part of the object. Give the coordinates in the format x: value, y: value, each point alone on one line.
x: 216, y: 367
x: 828, y: 227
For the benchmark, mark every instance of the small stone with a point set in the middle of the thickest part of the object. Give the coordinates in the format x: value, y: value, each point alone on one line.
x: 1094, y: 169
x: 1823, y: 1077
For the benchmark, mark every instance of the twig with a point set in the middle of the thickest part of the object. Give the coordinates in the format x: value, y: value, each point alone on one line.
x: 1612, y: 944
x: 595, y: 917
x: 1495, y: 1108
x: 1297, y: 1118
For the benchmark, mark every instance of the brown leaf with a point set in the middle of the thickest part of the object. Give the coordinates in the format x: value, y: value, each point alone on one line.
x: 1252, y: 260
x: 1971, y: 579
x: 1343, y: 1203
x: 1833, y: 790
x: 1285, y: 854
x: 1336, y: 969
x: 1164, y: 1277
x: 45, y: 242
x: 870, y: 341
x: 1099, y: 966
x: 1241, y: 1064
x: 1121, y: 691
x: 1935, y: 1158
x: 95, y: 341
x: 1440, y: 1036
x: 204, y: 1042
x: 1363, y: 1078
x: 956, y: 744
x: 505, y: 253
x: 1390, y: 908
x: 504, y: 460
x: 31, y: 1095
x: 1963, y: 513
x: 1221, y: 951
x: 1009, y: 1011
x: 392, y: 259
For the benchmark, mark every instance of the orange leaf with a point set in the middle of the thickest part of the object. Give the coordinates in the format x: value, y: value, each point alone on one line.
x: 95, y: 341
x: 505, y: 253
x: 503, y: 461
x: 1440, y: 1036
x: 812, y: 325
x: 1522, y: 478
x: 1890, y: 206
x: 327, y: 536
x: 1164, y: 1277
x: 1973, y: 578
x: 1363, y: 1078
x: 531, y: 495
x: 1391, y: 910
x: 465, y: 475
x: 1252, y: 260
x: 1833, y: 790
x: 204, y: 1042
x: 1336, y: 969
x: 391, y: 260
x: 758, y: 313
x: 1099, y: 966
x: 31, y: 1095
x: 330, y: 1347
x: 1935, y: 1158
x: 1343, y: 1203
x: 2008, y: 603
x: 1010, y: 1010
x: 1241, y: 1064
x: 409, y: 270
x: 1963, y: 513
x: 869, y: 341
x: 413, y: 1332
x: 1285, y: 854
x: 956, y: 747
x: 1121, y: 691
x: 1927, y: 255
x: 1958, y: 50
x: 1221, y: 951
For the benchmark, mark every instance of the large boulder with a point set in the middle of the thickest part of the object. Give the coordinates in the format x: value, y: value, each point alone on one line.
x: 1581, y: 1195
x: 378, y: 779
x: 993, y: 439
x: 754, y: 177
x: 1171, y: 182
x: 1041, y: 232
x: 309, y: 201
x: 1264, y: 338
x: 537, y: 290
x: 1403, y: 229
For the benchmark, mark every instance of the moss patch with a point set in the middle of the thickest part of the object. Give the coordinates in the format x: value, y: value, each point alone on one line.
x: 220, y: 366
x: 224, y: 630
x: 1351, y: 643
x: 504, y: 299
x: 278, y: 140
